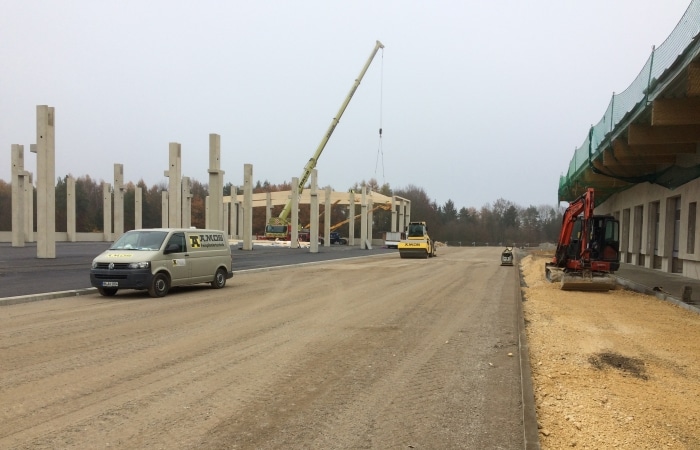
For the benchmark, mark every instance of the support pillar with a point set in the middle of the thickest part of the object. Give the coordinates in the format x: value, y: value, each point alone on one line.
x: 233, y: 219
x: 394, y: 215
x: 268, y: 207
x: 295, y: 214
x: 363, y: 220
x: 45, y: 182
x: 234, y: 214
x: 18, y: 180
x: 107, y: 211
x: 327, y: 219
x: 174, y: 174
x: 186, y: 196
x: 407, y: 216
x: 29, y: 209
x: 370, y: 219
x: 240, y: 214
x: 70, y: 209
x: 226, y: 208
x: 118, y: 201
x: 215, y: 213
x: 313, y: 228
x: 247, y: 207
x: 138, y: 208
x: 164, y: 214
x: 351, y: 219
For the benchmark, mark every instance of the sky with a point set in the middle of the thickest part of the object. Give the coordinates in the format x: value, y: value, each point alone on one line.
x: 477, y: 100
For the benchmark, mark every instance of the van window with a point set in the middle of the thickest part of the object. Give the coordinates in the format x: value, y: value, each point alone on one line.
x: 140, y: 240
x: 177, y: 239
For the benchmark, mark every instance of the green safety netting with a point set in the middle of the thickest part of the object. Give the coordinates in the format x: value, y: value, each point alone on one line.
x: 682, y: 41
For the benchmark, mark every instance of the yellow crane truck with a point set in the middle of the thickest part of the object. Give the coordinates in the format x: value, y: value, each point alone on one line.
x: 417, y: 243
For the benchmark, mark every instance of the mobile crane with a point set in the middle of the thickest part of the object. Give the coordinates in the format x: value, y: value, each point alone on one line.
x: 588, y: 248
x: 279, y: 227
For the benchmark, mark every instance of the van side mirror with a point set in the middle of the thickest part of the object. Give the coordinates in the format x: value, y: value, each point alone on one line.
x: 171, y: 248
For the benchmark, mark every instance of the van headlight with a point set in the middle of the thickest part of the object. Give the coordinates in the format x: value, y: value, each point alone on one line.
x: 140, y: 265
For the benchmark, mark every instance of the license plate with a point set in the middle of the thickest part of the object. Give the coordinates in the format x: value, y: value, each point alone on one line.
x: 110, y: 284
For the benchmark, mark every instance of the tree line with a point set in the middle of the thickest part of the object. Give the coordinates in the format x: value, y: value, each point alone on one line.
x: 499, y: 223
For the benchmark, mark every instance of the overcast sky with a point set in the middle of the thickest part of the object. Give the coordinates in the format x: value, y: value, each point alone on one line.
x: 478, y: 100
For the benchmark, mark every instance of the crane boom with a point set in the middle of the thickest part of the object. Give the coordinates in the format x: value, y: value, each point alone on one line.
x: 282, y: 218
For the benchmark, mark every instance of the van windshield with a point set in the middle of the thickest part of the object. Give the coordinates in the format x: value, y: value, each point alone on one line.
x: 140, y: 240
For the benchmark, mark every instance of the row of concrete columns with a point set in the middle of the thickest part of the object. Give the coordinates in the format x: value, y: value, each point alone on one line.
x: 176, y: 201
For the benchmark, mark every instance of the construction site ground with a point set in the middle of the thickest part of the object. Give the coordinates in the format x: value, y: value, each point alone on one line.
x: 618, y: 369
x: 372, y: 352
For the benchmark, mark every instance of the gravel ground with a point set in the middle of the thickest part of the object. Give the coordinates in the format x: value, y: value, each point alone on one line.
x: 611, y: 370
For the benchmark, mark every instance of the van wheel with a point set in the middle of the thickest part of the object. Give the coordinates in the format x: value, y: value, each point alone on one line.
x: 219, y: 279
x: 159, y: 286
x: 107, y: 292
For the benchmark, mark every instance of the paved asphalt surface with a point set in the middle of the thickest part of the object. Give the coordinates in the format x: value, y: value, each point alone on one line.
x: 22, y: 273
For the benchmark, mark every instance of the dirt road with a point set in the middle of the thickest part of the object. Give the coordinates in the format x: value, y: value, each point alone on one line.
x: 370, y: 353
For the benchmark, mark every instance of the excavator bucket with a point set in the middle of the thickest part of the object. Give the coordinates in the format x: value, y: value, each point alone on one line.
x: 577, y: 282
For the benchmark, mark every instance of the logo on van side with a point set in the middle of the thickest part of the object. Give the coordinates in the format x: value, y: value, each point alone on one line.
x: 206, y: 240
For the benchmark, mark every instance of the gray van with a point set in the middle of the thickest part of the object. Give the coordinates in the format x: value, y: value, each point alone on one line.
x: 157, y: 259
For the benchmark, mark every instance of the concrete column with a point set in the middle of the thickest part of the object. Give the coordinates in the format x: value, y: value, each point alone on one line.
x: 107, y: 211
x: 45, y: 182
x: 407, y: 217
x: 186, y: 196
x: 247, y: 207
x: 138, y: 208
x: 29, y: 208
x: 240, y: 215
x: 164, y: 204
x: 313, y: 227
x: 351, y: 217
x: 402, y: 215
x: 327, y: 219
x: 363, y: 220
x: 295, y: 213
x: 226, y: 207
x: 234, y: 214
x: 70, y: 209
x: 370, y: 220
x: 215, y: 213
x: 174, y: 174
x: 268, y: 207
x: 231, y: 219
x: 18, y: 203
x: 207, y: 214
x: 118, y: 201
x: 394, y: 214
